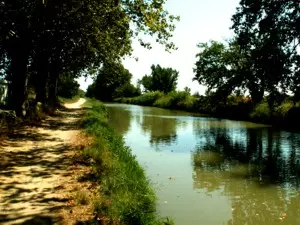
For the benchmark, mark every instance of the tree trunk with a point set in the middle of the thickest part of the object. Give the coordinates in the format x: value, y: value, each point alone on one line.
x: 19, y: 79
x: 42, y: 78
x: 257, y: 95
x: 52, y: 90
x: 41, y: 89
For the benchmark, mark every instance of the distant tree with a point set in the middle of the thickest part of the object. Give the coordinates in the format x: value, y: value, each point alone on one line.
x: 112, y: 81
x: 127, y: 90
x: 67, y: 86
x: 146, y: 82
x: 160, y: 79
x: 223, y: 68
x: 187, y: 90
x: 196, y: 94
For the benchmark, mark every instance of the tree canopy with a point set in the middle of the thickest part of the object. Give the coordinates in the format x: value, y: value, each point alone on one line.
x: 268, y: 33
x: 112, y: 81
x: 160, y: 79
x: 263, y: 56
x: 224, y: 68
x: 43, y: 39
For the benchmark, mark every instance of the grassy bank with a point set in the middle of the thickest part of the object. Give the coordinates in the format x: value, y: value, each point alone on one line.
x: 283, y: 115
x: 174, y: 100
x: 125, y: 194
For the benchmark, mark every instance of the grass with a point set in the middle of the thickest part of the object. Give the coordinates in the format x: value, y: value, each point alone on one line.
x: 126, y: 194
x: 82, y: 197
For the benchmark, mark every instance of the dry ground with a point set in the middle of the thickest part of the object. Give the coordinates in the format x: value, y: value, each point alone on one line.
x: 37, y: 172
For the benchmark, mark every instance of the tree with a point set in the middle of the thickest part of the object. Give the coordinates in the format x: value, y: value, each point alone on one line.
x: 222, y: 68
x: 44, y: 39
x: 160, y: 79
x: 127, y: 90
x: 212, y: 68
x: 187, y: 90
x: 112, y: 81
x: 67, y: 87
x: 268, y: 32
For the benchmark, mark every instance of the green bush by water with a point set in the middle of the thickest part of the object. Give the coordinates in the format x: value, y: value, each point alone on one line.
x: 173, y: 100
x: 233, y: 107
x: 126, y: 194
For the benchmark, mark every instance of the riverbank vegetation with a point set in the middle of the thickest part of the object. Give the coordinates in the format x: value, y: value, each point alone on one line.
x: 235, y: 107
x: 125, y: 193
x: 112, y: 81
x: 254, y: 75
x: 46, y: 45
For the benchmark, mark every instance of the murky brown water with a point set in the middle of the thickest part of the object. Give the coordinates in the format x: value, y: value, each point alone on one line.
x: 209, y: 171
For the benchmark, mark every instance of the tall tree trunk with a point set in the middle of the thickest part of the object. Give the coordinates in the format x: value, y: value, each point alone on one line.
x: 43, y: 57
x: 52, y: 89
x: 42, y: 78
x: 19, y: 80
x: 41, y: 89
x: 257, y: 93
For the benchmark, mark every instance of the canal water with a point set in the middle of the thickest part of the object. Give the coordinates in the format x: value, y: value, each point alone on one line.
x: 214, y: 171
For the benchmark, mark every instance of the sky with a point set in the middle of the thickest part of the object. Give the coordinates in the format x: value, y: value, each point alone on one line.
x: 200, y: 21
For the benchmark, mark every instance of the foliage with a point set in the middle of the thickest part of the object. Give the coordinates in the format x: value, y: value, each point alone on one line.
x: 224, y: 69
x: 67, y: 86
x: 81, y: 93
x: 173, y: 100
x: 126, y: 194
x: 268, y: 33
x: 236, y: 107
x: 211, y: 67
x: 41, y: 40
x: 261, y: 112
x: 145, y: 99
x: 127, y: 90
x: 187, y: 90
x: 112, y: 81
x: 261, y: 59
x: 176, y: 100
x: 160, y: 79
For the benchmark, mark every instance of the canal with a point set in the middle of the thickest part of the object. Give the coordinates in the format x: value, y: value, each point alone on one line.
x: 214, y: 171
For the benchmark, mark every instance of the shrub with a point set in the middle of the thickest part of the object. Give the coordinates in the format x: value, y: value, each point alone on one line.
x: 164, y: 102
x: 261, y: 113
x: 146, y: 99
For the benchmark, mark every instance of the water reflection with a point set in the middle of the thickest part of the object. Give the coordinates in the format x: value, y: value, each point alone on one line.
x: 260, y: 149
x: 161, y: 125
x: 119, y: 119
x: 256, y: 171
x: 161, y: 130
x: 239, y: 172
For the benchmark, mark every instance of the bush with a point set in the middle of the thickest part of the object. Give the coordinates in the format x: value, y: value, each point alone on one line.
x: 261, y: 113
x: 283, y: 109
x: 176, y: 100
x: 164, y: 102
x: 146, y: 99
x: 232, y: 107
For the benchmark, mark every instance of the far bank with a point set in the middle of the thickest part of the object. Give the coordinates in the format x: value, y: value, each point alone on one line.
x: 283, y: 115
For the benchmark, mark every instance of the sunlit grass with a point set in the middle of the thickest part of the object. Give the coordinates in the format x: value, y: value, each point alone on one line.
x: 126, y: 194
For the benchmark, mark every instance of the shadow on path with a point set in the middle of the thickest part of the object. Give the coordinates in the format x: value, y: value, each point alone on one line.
x: 35, y: 165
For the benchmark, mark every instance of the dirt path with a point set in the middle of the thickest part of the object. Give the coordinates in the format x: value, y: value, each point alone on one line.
x: 34, y: 168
